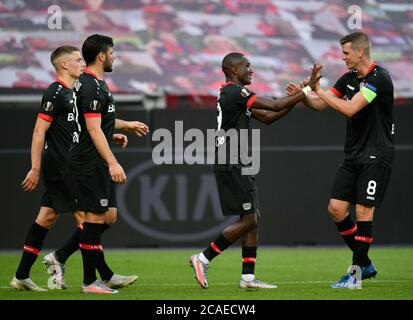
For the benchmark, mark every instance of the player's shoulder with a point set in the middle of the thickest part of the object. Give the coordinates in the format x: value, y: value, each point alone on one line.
x: 381, y: 72
x: 352, y: 73
x: 54, y: 91
x: 234, y: 88
x: 87, y: 81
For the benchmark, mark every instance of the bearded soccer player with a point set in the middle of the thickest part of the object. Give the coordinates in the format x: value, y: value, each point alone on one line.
x: 363, y: 176
x: 92, y: 165
x: 238, y: 191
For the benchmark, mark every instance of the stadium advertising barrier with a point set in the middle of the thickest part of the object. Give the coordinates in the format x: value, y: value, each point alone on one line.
x: 178, y: 205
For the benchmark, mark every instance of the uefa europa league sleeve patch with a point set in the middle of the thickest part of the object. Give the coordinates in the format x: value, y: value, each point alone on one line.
x: 48, y: 106
x: 245, y: 93
x: 95, y: 105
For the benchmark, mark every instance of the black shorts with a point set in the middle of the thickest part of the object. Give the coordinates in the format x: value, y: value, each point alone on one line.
x: 237, y: 192
x: 361, y: 183
x: 94, y: 193
x: 58, y: 196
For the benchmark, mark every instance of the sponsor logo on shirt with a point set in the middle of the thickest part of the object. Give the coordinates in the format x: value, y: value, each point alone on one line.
x: 368, y: 86
x: 111, y: 108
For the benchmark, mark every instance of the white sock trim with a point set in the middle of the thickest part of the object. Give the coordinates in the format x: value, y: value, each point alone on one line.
x: 202, y: 258
x: 248, y: 277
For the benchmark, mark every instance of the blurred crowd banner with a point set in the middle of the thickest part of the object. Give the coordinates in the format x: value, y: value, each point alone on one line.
x: 176, y: 47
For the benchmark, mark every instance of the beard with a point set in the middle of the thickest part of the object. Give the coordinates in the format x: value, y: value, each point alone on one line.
x: 107, y: 66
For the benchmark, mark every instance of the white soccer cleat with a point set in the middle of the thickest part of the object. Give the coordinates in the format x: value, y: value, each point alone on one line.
x: 200, y: 270
x: 57, y: 270
x: 119, y: 281
x: 98, y: 287
x: 256, y: 284
x: 25, y: 284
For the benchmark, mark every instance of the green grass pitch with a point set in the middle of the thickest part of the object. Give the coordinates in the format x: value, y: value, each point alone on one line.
x: 300, y: 273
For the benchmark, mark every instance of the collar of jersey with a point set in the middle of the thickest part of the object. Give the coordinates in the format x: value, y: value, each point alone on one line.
x: 62, y: 83
x: 91, y: 73
x: 227, y: 84
x: 370, y: 69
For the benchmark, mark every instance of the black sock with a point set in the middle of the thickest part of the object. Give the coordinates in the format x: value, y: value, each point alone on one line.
x: 31, y: 249
x: 216, y: 247
x: 363, y: 240
x: 105, y: 272
x: 70, y: 247
x: 249, y: 255
x: 347, y: 229
x: 90, y: 246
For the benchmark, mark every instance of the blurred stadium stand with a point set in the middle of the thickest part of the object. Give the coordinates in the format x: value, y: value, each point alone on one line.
x: 176, y: 47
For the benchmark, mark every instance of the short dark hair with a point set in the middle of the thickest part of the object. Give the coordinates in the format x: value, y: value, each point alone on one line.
x: 359, y: 40
x: 60, y: 51
x: 94, y: 45
x: 229, y: 61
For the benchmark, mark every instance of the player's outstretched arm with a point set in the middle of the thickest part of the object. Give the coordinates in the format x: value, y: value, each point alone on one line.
x: 268, y: 117
x: 289, y: 100
x: 312, y: 102
x: 38, y: 140
x: 346, y: 107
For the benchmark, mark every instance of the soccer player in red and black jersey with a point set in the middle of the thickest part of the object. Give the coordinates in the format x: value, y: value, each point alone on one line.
x: 52, y: 135
x: 237, y: 188
x: 92, y: 165
x: 363, y: 176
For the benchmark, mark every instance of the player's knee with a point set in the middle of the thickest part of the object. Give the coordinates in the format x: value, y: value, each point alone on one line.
x: 111, y: 216
x: 332, y: 209
x: 251, y: 221
x: 336, y: 212
x: 47, y: 220
x: 111, y: 219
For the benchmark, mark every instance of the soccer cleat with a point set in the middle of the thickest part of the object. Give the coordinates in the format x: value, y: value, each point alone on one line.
x: 25, y: 284
x: 118, y: 281
x: 200, y: 270
x: 369, y: 271
x: 256, y: 284
x: 57, y: 270
x: 98, y: 287
x: 347, y: 282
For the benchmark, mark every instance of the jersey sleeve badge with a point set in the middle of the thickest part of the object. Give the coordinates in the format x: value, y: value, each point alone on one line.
x: 48, y: 106
x: 95, y: 105
x: 245, y: 93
